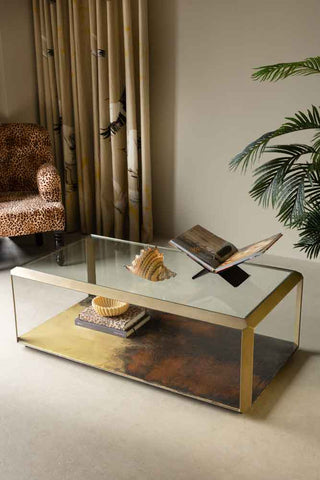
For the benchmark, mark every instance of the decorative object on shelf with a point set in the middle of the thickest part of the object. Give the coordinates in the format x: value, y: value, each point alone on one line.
x: 287, y: 182
x: 123, y: 325
x: 108, y: 307
x: 217, y: 255
x: 149, y: 265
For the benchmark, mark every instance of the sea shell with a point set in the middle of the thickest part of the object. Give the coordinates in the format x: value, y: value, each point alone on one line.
x: 149, y: 265
x: 108, y: 307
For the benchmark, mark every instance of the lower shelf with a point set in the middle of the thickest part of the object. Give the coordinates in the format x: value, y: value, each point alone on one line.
x: 185, y: 356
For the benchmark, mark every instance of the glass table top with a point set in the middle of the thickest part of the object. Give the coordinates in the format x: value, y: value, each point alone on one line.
x: 209, y: 292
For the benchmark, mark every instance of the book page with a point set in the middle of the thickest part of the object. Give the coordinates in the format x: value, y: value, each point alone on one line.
x: 204, y: 247
x: 249, y: 252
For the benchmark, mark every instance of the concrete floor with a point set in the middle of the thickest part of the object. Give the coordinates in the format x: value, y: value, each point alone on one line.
x: 63, y: 421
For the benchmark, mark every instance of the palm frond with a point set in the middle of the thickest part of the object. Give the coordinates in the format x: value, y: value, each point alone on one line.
x: 312, y: 190
x: 266, y: 187
x: 291, y: 197
x: 316, y: 145
x: 285, y: 184
x: 316, y: 141
x: 288, y: 183
x: 279, y: 71
x: 253, y: 151
x: 291, y: 149
x: 309, y: 232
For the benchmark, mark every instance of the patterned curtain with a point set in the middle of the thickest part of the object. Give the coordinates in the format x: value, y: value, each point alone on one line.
x: 93, y: 85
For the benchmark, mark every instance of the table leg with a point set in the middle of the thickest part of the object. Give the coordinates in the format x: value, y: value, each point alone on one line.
x: 298, y: 313
x: 14, y: 308
x: 91, y: 260
x: 246, y: 369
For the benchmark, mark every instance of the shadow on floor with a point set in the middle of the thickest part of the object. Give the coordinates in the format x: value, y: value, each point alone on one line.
x: 279, y: 385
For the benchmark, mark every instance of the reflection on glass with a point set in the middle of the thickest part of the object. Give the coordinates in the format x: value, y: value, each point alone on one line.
x: 209, y: 292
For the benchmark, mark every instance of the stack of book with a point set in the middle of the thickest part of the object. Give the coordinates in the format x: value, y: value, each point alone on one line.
x: 122, y: 325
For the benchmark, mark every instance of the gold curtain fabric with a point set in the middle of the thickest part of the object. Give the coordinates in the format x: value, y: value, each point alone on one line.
x: 93, y: 85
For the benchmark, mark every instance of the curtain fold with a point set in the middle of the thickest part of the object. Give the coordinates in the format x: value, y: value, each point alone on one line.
x: 95, y: 103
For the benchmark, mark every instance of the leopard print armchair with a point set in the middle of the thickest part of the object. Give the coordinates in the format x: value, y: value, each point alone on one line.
x: 30, y: 188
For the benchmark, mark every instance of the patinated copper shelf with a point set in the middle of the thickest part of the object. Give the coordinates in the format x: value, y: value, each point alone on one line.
x: 185, y: 356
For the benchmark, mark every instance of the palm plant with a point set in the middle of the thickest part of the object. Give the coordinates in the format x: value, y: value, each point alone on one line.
x: 290, y: 182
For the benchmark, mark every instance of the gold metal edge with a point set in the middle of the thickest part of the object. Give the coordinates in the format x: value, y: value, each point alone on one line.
x: 273, y: 299
x: 297, y: 326
x: 246, y: 369
x: 136, y: 299
x: 14, y: 308
x: 90, y: 256
x: 120, y: 374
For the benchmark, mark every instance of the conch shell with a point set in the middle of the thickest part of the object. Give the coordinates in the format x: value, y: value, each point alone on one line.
x: 149, y: 265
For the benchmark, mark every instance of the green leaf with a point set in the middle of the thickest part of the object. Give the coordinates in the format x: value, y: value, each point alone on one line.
x: 312, y: 189
x: 285, y: 184
x: 267, y: 186
x: 292, y: 196
x: 253, y: 151
x: 315, y: 157
x: 279, y: 71
x: 291, y: 150
x: 309, y: 232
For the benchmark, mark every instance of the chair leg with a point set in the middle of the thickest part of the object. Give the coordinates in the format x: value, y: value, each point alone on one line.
x: 39, y: 239
x: 59, y: 239
x: 59, y: 243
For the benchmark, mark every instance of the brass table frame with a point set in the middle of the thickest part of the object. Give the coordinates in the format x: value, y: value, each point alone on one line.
x: 246, y: 325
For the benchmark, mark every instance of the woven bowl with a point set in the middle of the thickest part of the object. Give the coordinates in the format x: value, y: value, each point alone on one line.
x: 107, y: 307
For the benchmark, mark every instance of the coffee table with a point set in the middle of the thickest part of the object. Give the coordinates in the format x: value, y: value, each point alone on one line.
x: 201, y: 340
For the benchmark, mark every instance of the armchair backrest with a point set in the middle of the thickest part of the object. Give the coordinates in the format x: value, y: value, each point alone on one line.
x: 23, y: 148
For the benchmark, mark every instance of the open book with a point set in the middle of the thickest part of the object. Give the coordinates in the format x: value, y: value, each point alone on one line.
x: 216, y: 254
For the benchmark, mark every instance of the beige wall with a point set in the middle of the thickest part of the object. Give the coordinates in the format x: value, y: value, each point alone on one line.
x: 205, y: 108
x: 18, y: 98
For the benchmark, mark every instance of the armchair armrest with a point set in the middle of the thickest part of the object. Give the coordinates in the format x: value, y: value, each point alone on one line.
x: 48, y: 181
